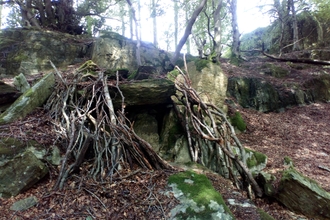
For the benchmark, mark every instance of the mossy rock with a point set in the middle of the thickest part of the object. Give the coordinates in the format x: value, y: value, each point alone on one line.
x: 89, y: 67
x: 173, y: 74
x: 198, y: 198
x: 238, y: 122
x: 275, y: 71
x: 255, y: 161
x: 302, y: 194
x: 201, y: 64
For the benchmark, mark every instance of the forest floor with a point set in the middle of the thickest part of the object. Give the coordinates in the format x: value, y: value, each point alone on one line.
x: 301, y: 132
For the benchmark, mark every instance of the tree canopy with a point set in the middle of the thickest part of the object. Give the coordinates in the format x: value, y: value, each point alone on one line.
x: 210, y: 32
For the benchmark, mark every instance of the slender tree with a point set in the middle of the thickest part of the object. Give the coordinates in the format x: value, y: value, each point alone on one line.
x: 217, y: 47
x: 296, y: 43
x: 235, y: 32
x: 137, y: 28
x: 176, y: 22
x: 187, y: 32
x: 154, y: 22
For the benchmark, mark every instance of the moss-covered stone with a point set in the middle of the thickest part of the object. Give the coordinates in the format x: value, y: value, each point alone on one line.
x: 301, y: 194
x: 255, y: 160
x: 32, y: 98
x: 275, y: 70
x: 173, y: 74
x: 145, y: 92
x: 89, y: 67
x: 28, y: 170
x: 201, y: 64
x: 199, y: 200
x: 254, y: 93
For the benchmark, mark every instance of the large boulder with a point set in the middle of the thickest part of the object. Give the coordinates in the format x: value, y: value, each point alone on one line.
x: 21, y: 164
x: 265, y: 97
x: 29, y: 51
x: 32, y: 98
x: 303, y: 195
x: 113, y: 51
x: 20, y: 173
x: 209, y: 81
x: 145, y: 92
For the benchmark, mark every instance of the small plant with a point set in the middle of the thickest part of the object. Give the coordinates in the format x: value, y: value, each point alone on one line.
x: 238, y: 122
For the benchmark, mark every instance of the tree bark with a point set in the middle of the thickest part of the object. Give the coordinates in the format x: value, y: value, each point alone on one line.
x: 187, y: 31
x: 234, y: 24
x: 176, y: 23
x: 154, y: 23
x: 217, y: 48
x: 138, y: 40
x: 296, y: 43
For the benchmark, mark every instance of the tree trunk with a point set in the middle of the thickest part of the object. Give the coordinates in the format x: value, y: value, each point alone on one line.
x: 138, y: 40
x: 131, y: 24
x: 187, y: 18
x: 187, y: 31
x: 319, y: 29
x: 0, y: 16
x: 176, y: 23
x: 122, y: 17
x: 296, y: 43
x: 217, y: 48
x: 236, y: 35
x: 154, y: 23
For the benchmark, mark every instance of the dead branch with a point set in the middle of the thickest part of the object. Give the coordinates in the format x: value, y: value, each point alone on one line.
x: 297, y: 60
x: 213, y: 133
x: 88, y: 120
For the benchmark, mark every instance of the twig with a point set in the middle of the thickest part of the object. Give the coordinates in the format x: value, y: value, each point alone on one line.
x: 95, y: 196
x: 58, y: 73
x: 324, y: 168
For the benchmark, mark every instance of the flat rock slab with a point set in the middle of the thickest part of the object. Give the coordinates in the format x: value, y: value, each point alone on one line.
x: 146, y: 92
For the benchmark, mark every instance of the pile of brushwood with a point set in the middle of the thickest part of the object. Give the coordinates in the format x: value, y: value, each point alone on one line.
x: 84, y: 117
x: 209, y: 132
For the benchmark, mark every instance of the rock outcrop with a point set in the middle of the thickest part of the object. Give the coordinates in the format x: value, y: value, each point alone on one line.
x: 266, y: 97
x: 29, y: 51
x: 113, y: 51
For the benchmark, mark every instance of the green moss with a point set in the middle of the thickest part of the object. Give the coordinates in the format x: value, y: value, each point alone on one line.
x: 264, y: 215
x: 288, y: 161
x: 89, y: 67
x: 132, y: 75
x: 201, y: 64
x: 256, y: 159
x: 173, y: 74
x: 20, y: 56
x: 200, y: 190
x: 238, y: 122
